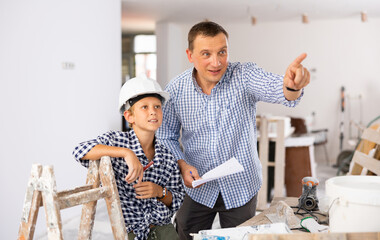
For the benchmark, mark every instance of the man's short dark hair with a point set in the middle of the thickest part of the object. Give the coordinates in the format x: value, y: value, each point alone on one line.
x: 205, y: 28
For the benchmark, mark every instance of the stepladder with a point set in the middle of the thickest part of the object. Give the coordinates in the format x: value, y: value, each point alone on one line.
x: 366, y: 158
x: 278, y: 164
x: 42, y: 191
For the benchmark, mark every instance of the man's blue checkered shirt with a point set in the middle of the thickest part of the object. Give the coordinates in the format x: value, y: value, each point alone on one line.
x: 220, y: 126
x: 139, y: 214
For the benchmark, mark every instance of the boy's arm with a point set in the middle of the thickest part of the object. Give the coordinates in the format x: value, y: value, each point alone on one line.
x: 148, y: 189
x: 135, y: 169
x: 175, y: 192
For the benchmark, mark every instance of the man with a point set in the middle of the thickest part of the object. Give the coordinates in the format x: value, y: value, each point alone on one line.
x: 214, y: 104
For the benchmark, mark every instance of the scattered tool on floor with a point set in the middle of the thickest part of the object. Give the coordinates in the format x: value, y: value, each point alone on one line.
x: 308, y: 200
x: 42, y: 191
x: 312, y: 226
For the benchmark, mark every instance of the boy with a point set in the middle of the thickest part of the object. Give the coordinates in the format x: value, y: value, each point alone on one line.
x: 148, y: 198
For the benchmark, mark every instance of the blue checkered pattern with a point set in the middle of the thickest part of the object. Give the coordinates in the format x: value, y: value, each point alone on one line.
x: 140, y: 213
x: 220, y: 126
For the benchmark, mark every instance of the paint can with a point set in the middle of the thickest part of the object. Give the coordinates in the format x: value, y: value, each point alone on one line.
x: 354, y: 203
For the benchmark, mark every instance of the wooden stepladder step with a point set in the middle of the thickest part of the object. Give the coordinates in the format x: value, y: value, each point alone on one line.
x: 363, y: 163
x: 42, y: 191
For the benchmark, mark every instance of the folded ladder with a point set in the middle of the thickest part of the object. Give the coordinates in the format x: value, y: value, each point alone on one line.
x: 42, y: 191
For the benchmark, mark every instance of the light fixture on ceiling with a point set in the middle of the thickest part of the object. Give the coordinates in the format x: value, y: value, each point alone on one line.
x: 364, y: 16
x: 253, y: 20
x: 305, y: 18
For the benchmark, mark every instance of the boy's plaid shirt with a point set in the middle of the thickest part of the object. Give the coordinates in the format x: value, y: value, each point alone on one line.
x: 139, y: 214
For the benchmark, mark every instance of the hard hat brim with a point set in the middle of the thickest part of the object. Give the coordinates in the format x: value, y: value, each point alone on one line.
x: 165, y: 97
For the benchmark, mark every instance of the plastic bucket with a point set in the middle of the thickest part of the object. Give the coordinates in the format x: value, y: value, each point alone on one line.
x: 354, y: 203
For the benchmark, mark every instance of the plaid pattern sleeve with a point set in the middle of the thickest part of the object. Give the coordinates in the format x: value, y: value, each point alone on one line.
x: 170, y: 131
x: 265, y: 86
x: 219, y: 126
x: 173, y: 180
x: 139, y: 214
x: 84, y: 147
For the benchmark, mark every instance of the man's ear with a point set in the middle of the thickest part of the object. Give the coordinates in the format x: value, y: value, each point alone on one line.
x: 189, y: 54
x: 129, y: 117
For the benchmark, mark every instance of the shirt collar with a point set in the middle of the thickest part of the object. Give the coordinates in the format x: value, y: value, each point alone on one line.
x: 137, y: 148
x: 135, y: 145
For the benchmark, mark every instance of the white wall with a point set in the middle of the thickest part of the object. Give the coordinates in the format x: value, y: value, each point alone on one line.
x: 171, y: 51
x: 45, y: 109
x: 343, y: 52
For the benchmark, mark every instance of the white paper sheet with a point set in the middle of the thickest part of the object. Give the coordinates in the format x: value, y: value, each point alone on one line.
x: 230, y: 167
x: 239, y: 233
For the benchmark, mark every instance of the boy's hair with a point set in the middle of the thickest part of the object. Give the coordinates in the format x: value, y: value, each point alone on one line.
x: 205, y: 28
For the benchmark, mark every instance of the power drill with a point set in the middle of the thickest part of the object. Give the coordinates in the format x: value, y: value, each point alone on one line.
x: 308, y: 200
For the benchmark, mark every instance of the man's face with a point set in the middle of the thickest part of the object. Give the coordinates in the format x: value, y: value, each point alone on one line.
x: 210, y: 58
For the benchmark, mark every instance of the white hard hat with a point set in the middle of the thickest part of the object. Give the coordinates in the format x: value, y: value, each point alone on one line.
x: 139, y: 86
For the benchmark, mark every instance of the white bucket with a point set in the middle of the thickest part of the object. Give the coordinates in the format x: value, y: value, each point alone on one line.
x: 354, y: 203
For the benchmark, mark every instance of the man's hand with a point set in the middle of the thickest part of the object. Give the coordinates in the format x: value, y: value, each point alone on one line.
x: 189, y: 173
x: 147, y: 190
x: 296, y: 77
x: 135, y: 168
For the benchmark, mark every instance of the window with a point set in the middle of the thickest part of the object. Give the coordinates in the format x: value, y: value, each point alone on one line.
x: 138, y: 57
x: 145, y: 55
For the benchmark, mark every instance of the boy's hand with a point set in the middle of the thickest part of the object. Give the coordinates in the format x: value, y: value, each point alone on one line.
x: 135, y: 168
x: 147, y: 190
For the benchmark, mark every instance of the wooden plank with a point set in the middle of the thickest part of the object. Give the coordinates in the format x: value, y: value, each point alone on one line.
x: 66, y: 194
x: 279, y: 169
x: 75, y: 190
x: 277, y: 208
x: 50, y: 198
x: 356, y: 168
x: 83, y: 197
x: 377, y: 152
x: 31, y: 205
x: 317, y: 236
x: 89, y: 209
x: 371, y: 135
x: 271, y: 164
x: 261, y: 219
x: 263, y: 155
x: 364, y: 160
x: 113, y: 202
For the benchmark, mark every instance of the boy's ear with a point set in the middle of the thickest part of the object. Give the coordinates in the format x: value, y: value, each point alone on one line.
x: 129, y: 117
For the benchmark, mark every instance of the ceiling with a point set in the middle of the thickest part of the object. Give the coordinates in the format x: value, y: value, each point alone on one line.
x: 141, y: 15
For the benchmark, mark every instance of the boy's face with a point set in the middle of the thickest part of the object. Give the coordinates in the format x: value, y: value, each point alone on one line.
x: 146, y: 115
